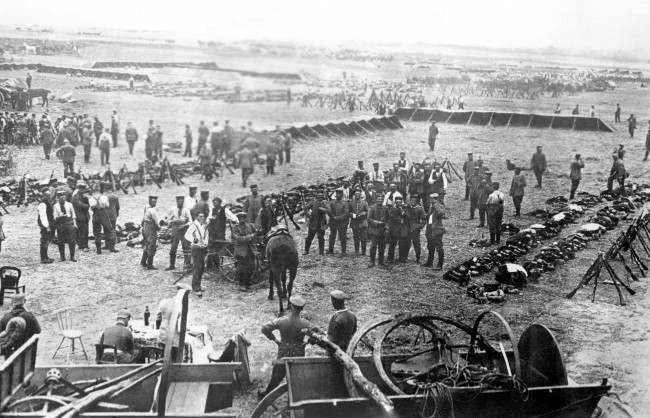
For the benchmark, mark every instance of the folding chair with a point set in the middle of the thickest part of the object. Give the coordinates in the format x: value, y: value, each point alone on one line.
x: 64, y: 320
x: 9, y: 281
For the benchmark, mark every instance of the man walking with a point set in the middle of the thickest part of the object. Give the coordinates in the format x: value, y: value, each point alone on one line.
x: 359, y: 222
x: 179, y: 219
x: 316, y: 215
x: 517, y: 190
x: 66, y: 153
x: 197, y: 234
x: 617, y: 114
x: 339, y: 212
x: 631, y: 125
x: 575, y: 175
x: 66, y: 225
x: 150, y: 227
x: 434, y: 231
x: 245, y: 163
x: 538, y: 165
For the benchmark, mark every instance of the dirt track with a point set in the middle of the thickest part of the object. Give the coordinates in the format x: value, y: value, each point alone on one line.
x: 599, y: 340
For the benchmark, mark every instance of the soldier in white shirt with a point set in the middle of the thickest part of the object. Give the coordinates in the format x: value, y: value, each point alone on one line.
x: 191, y: 199
x: 66, y: 225
x: 150, y: 226
x: 179, y: 219
x: 198, y: 236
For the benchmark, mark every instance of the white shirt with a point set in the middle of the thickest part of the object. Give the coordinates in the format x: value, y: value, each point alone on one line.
x: 230, y: 216
x: 434, y: 175
x: 42, y: 214
x: 390, y: 197
x: 98, y: 202
x: 198, y: 231
x: 184, y: 215
x: 495, y: 197
x: 190, y: 202
x: 378, y: 176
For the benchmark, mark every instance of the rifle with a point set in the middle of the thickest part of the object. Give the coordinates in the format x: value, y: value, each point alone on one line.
x: 152, y: 178
x: 226, y: 165
x: 2, y: 205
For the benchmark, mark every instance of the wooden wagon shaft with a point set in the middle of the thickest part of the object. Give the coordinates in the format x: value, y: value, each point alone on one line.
x: 367, y: 387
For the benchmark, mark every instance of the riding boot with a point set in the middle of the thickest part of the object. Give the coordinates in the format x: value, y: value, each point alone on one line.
x: 143, y: 260
x: 363, y: 247
x: 71, y: 247
x: 307, y: 245
x: 150, y: 262
x: 417, y: 254
x: 492, y: 237
x: 172, y: 262
x: 62, y: 251
x: 356, y: 246
x: 441, y: 257
x: 271, y: 288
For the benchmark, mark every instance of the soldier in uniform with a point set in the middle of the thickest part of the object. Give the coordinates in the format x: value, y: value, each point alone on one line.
x: 198, y: 236
x: 484, y: 190
x: 81, y: 208
x: 517, y: 190
x: 47, y: 139
x: 316, y: 214
x: 359, y: 222
x: 101, y: 220
x: 202, y: 206
x: 243, y: 234
x: 398, y: 229
x: 474, y: 182
x: 360, y: 175
x: 415, y: 217
x: 494, y: 212
x: 150, y: 226
x: 343, y: 324
x: 339, y: 213
x: 538, y: 165
x: 190, y: 199
x: 434, y: 231
x: 291, y: 342
x: 217, y: 229
x: 433, y: 135
x: 179, y: 219
x: 438, y: 181
x: 377, y: 178
x: 468, y: 169
x: 416, y: 183
x: 377, y: 224
x: 252, y: 204
x: 245, y: 163
x: 575, y: 175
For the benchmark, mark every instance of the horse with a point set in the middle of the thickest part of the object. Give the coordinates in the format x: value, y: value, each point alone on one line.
x: 29, y: 49
x: 282, y: 254
x: 36, y: 93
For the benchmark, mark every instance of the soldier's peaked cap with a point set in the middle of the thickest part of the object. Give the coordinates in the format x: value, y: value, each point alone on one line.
x: 338, y: 294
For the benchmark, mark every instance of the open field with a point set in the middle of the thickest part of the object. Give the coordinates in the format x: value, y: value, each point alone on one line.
x: 598, y: 340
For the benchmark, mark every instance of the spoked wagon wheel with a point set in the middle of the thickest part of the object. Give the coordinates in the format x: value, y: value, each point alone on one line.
x: 275, y: 404
x: 36, y: 404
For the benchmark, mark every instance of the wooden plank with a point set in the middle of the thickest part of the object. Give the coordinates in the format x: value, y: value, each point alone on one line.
x: 214, y: 372
x: 187, y: 397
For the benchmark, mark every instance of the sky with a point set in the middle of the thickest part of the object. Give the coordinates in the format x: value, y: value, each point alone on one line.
x: 572, y: 25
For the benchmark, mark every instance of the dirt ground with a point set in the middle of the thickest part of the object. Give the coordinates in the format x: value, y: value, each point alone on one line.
x: 599, y: 340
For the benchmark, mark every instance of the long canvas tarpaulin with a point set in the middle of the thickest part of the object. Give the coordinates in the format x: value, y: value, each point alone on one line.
x: 342, y: 129
x: 505, y: 119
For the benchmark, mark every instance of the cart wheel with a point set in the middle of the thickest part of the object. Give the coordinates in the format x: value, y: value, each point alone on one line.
x: 275, y: 404
x: 228, y: 268
x: 36, y: 404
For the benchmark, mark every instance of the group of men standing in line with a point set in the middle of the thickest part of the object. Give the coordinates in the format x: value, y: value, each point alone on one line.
x: 65, y: 213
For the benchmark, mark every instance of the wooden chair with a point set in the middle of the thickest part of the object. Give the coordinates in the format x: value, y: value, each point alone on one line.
x: 9, y: 281
x: 99, y: 353
x: 64, y: 320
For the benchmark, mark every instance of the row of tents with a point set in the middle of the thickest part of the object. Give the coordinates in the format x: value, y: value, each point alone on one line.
x: 332, y: 129
x: 506, y: 119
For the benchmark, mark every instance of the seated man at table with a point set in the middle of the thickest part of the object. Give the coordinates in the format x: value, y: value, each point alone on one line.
x: 119, y: 336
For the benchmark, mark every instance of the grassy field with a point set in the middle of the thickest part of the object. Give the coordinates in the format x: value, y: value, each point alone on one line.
x: 599, y: 340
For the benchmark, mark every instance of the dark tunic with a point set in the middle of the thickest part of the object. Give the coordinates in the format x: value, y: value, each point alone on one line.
x: 342, y: 327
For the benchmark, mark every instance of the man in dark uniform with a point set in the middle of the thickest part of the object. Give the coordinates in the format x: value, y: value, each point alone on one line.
x: 217, y: 223
x: 575, y: 174
x: 188, y: 142
x: 81, y: 209
x: 339, y: 213
x: 243, y: 234
x: 179, y: 219
x: 474, y: 182
x: 484, y: 190
x: 433, y: 135
x: 434, y: 231
x: 316, y: 214
x: 495, y: 213
x: 398, y: 229
x: 150, y: 227
x: 517, y: 190
x: 631, y: 125
x: 101, y: 221
x: 66, y: 225
x: 113, y: 213
x: 47, y: 139
x: 538, y: 165
x: 343, y: 323
x: 204, y: 132
x: 291, y: 339
x: 415, y: 217
x: 359, y: 222
x: 617, y: 114
x: 18, y: 309
x: 377, y: 218
x: 202, y: 206
x: 468, y: 169
x: 119, y: 335
x: 252, y: 204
